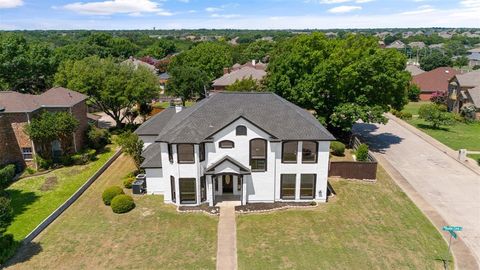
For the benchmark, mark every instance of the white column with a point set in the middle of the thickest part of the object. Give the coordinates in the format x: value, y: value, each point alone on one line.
x: 210, y: 190
x: 244, y: 189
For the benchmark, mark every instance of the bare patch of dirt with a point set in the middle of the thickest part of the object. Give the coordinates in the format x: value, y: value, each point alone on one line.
x: 49, y: 184
x: 252, y: 207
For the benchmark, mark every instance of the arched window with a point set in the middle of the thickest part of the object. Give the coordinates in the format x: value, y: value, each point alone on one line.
x: 241, y: 130
x: 309, y: 152
x: 258, y: 155
x: 289, y: 152
x: 226, y: 144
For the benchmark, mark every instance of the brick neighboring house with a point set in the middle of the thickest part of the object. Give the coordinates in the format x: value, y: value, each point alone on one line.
x: 239, y: 72
x: 433, y: 81
x: 17, y: 110
x: 464, y: 90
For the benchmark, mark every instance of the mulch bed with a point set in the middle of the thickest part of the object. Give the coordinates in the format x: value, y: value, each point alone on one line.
x: 265, y: 207
x: 211, y: 210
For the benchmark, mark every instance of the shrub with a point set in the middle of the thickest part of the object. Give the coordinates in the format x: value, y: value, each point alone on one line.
x: 6, y: 175
x: 362, y: 152
x: 110, y: 193
x: 7, y: 247
x: 405, y: 115
x: 439, y: 98
x: 122, y: 204
x: 30, y: 170
x: 66, y: 160
x: 127, y: 182
x: 132, y: 146
x: 435, y: 114
x: 43, y: 163
x: 338, y: 148
x: 97, y: 138
x: 6, y: 213
x: 84, y: 157
x: 414, y: 93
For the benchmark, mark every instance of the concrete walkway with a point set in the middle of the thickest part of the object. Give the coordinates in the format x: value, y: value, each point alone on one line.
x: 227, y: 237
x: 447, y: 191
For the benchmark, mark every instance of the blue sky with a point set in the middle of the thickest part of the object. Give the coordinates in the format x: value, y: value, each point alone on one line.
x: 242, y: 14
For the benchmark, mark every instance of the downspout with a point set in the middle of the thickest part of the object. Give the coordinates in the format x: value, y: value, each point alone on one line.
x: 33, y: 144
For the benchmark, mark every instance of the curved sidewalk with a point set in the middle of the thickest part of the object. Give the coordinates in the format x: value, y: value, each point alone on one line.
x: 446, y: 190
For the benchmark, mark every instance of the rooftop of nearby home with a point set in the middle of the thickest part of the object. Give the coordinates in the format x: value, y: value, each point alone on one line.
x: 470, y: 79
x: 55, y: 97
x: 435, y: 80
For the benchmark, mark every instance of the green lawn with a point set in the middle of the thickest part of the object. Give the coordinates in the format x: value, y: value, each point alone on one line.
x: 166, y: 104
x: 366, y: 226
x: 413, y: 107
x: 35, y: 198
x: 152, y: 236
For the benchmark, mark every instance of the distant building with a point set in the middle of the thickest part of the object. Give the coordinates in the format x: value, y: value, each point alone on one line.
x: 474, y: 57
x: 417, y: 44
x: 414, y: 70
x: 434, y: 81
x: 17, y: 110
x: 239, y: 72
x: 397, y: 44
x: 137, y: 62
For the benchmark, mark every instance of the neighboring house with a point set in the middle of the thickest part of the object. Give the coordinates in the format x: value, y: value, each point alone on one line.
x: 239, y: 72
x: 417, y: 44
x: 397, y: 44
x: 474, y: 57
x: 436, y: 46
x: 464, y: 90
x: 434, y: 81
x: 137, y: 62
x: 254, y: 147
x: 19, y: 109
x: 414, y: 70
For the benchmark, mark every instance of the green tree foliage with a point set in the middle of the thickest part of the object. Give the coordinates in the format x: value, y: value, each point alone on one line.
x: 208, y: 57
x: 434, y: 60
x: 435, y: 114
x: 112, y: 87
x: 362, y: 152
x: 49, y: 127
x: 25, y: 66
x: 159, y: 49
x: 247, y: 84
x: 414, y: 92
x: 187, y: 82
x: 6, y: 175
x: 6, y: 213
x: 132, y: 146
x: 258, y: 50
x: 343, y: 80
x: 461, y: 61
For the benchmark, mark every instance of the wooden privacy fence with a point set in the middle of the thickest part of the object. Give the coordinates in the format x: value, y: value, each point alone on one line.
x: 44, y: 224
x: 354, y: 169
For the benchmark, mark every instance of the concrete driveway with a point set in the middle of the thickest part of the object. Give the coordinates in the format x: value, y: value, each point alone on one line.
x: 451, y: 188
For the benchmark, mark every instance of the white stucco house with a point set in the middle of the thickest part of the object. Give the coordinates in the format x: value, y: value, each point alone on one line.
x: 254, y: 147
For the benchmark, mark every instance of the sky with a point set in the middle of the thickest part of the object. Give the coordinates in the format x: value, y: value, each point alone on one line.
x: 237, y: 14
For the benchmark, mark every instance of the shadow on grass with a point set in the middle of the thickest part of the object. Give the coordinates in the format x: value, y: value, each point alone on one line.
x: 24, y: 252
x: 425, y: 126
x: 20, y: 200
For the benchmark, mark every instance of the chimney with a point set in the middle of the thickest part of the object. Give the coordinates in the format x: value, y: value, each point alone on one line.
x: 178, y: 108
x: 253, y: 62
x: 225, y: 71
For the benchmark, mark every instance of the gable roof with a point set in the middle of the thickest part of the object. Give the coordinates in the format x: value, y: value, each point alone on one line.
x: 240, y: 74
x: 414, y: 70
x: 435, y: 80
x: 154, y: 125
x: 152, y: 155
x: 55, y: 97
x: 243, y: 169
x: 475, y: 95
x: 276, y: 116
x: 470, y: 79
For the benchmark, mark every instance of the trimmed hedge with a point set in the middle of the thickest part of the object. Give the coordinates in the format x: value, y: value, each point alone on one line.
x: 110, y: 193
x: 338, y: 148
x: 122, y: 204
x: 127, y: 182
x: 6, y: 175
x: 362, y: 152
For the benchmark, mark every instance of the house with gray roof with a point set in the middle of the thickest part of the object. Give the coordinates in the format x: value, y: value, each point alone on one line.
x: 397, y: 44
x: 245, y: 146
x: 473, y: 57
x: 250, y: 70
x: 464, y: 91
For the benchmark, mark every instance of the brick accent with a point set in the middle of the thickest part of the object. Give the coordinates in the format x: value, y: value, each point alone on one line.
x: 9, y: 148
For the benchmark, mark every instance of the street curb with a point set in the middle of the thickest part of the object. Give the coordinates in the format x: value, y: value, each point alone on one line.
x: 470, y: 164
x: 463, y: 256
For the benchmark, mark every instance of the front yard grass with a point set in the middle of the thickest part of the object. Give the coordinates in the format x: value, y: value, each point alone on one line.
x: 35, y: 198
x: 366, y: 226
x: 152, y: 236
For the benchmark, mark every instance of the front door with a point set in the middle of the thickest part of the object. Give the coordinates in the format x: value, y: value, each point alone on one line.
x: 227, y: 184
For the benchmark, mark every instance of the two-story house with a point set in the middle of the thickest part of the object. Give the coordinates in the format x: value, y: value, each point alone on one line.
x: 256, y: 147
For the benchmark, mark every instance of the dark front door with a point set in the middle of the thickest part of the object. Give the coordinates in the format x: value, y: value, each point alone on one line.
x: 227, y: 183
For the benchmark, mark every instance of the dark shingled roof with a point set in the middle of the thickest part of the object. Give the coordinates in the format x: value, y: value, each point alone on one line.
x: 271, y: 113
x: 152, y: 156
x: 155, y: 124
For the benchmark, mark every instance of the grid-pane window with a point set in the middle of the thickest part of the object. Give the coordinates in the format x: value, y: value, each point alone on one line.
x: 185, y: 153
x: 307, y: 186
x: 309, y: 152
x: 27, y: 153
x: 289, y: 152
x: 188, y: 190
x: 172, y: 187
x: 287, y: 186
x: 258, y: 155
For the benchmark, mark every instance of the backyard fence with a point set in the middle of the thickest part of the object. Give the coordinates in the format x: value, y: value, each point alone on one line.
x: 47, y: 221
x: 354, y: 169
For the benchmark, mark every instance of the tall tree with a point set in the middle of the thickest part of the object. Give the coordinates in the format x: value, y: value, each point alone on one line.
x: 187, y: 82
x: 159, y: 49
x: 434, y: 60
x: 111, y: 86
x: 246, y: 84
x: 25, y: 67
x: 259, y: 50
x: 343, y: 80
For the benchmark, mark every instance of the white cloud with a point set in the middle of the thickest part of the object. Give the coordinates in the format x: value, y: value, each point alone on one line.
x: 420, y: 10
x: 133, y: 7
x: 470, y: 3
x: 10, y: 3
x: 213, y: 9
x: 344, y: 9
x: 329, y: 2
x: 224, y: 16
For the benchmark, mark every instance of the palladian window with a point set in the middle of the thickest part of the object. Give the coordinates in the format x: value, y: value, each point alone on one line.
x: 258, y: 155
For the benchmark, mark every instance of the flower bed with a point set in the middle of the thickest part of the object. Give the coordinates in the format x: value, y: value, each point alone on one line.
x: 268, y: 207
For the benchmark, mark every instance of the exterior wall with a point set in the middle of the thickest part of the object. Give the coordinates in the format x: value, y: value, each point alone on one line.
x: 425, y: 96
x: 10, y: 151
x: 18, y: 122
x: 155, y: 181
x: 79, y: 111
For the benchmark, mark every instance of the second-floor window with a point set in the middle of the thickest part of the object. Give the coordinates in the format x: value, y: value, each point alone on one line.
x: 241, y: 130
x: 27, y: 153
x: 226, y: 144
x: 289, y: 152
x: 258, y: 155
x: 309, y: 152
x: 201, y: 151
x: 185, y: 153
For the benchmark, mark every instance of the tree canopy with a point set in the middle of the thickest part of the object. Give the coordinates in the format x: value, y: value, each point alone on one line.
x: 187, y: 82
x: 434, y: 60
x: 343, y: 80
x: 247, y: 84
x: 159, y: 49
x: 112, y: 87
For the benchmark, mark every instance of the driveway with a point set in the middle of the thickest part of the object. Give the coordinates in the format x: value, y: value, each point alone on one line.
x: 451, y: 188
